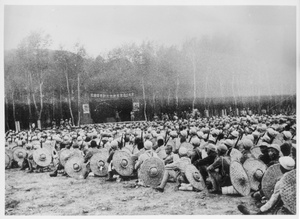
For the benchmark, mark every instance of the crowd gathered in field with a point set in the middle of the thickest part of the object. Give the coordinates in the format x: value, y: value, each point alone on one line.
x: 241, y: 155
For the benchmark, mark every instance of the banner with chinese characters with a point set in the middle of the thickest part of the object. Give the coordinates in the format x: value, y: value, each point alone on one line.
x: 112, y: 95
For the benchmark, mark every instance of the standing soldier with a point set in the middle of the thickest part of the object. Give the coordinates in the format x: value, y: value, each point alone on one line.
x: 61, y: 123
x: 132, y: 115
x: 117, y: 116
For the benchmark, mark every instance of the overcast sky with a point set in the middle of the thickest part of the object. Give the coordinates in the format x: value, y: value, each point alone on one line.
x: 267, y: 33
x: 101, y: 28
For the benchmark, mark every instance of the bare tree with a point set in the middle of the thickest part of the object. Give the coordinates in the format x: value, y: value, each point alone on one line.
x: 36, y: 54
x: 80, y: 55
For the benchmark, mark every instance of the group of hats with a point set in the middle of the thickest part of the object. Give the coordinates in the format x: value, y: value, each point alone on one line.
x: 41, y: 156
x: 123, y: 163
x: 248, y: 176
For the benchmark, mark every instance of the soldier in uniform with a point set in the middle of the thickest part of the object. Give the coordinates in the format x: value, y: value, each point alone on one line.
x: 274, y: 154
x: 286, y: 164
x: 90, y: 152
x: 247, y: 145
x: 175, y: 170
x: 220, y: 178
x: 25, y: 163
x: 171, y: 157
x: 33, y: 167
x: 147, y: 154
x: 132, y: 115
x: 202, y: 164
x: 113, y: 148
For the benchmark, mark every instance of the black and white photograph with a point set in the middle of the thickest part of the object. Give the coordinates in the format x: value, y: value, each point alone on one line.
x: 139, y: 108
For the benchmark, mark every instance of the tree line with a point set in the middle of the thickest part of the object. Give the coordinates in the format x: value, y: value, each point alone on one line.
x: 45, y: 85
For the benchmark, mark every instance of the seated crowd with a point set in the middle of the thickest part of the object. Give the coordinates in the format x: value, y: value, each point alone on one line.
x: 210, y: 144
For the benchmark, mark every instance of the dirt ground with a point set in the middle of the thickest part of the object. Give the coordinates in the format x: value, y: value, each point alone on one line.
x: 39, y: 194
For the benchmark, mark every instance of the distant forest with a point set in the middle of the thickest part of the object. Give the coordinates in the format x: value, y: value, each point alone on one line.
x: 206, y: 73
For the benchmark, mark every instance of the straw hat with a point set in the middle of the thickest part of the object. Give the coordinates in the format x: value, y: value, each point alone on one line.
x: 278, y: 141
x: 162, y: 153
x: 195, y: 141
x: 256, y: 152
x: 188, y: 146
x: 42, y: 157
x: 98, y: 164
x: 235, y: 133
x: 275, y: 146
x: 272, y: 132
x: 75, y: 167
x: 148, y: 145
x: 266, y: 138
x: 255, y: 134
x: 16, y: 147
x: 288, y: 190
x: 194, y: 177
x: 12, y: 145
x: 48, y: 146
x: 173, y: 134
x: 193, y: 131
x: 205, y: 130
x: 235, y: 155
x: 229, y: 143
x: 19, y: 154
x: 134, y: 157
x: 183, y: 133
x: 287, y: 162
x: 152, y: 171
x: 77, y: 152
x: 7, y: 161
x: 287, y: 135
x: 239, y: 178
x: 255, y: 170
x: 9, y: 153
x: 123, y: 163
x: 65, y: 154
x: 211, y: 138
x: 104, y: 151
x: 127, y: 150
x: 247, y: 144
x: 271, y: 176
x: 36, y: 146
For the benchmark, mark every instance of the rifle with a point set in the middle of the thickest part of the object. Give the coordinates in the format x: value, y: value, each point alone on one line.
x: 142, y: 135
x: 217, y: 138
x: 166, y: 140
x: 207, y: 136
x: 271, y: 138
x: 258, y: 140
x: 7, y: 133
x: 121, y: 143
x: 228, y: 132
x: 124, y: 140
x: 239, y: 138
x: 190, y: 139
x: 100, y: 140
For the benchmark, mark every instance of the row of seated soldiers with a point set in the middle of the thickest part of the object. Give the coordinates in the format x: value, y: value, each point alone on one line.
x: 207, y: 144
